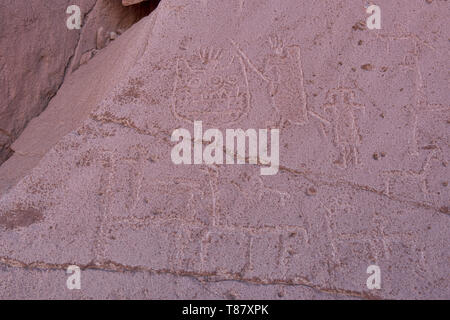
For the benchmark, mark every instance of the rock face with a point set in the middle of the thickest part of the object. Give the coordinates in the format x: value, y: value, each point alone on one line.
x: 34, y: 64
x: 107, y: 20
x: 131, y: 2
x: 77, y: 97
x: 363, y: 177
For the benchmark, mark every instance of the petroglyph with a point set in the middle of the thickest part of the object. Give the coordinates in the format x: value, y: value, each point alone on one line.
x: 339, y: 211
x: 282, y: 72
x: 416, y: 177
x: 254, y: 189
x: 108, y: 198
x: 341, y: 107
x: 211, y: 89
x: 411, y: 63
x: 190, y: 207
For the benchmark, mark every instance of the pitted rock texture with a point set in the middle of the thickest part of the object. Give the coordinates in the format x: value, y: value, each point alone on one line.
x: 363, y: 180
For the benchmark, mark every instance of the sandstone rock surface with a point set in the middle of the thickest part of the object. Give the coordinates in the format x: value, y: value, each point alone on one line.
x: 77, y: 97
x: 38, y: 51
x: 363, y: 176
x: 33, y: 60
x: 131, y: 2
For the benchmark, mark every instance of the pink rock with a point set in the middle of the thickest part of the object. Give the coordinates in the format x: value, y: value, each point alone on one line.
x: 45, y: 53
x: 363, y: 177
x: 39, y: 56
x: 131, y: 2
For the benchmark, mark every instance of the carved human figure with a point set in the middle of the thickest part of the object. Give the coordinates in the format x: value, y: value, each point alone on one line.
x: 341, y: 108
x: 284, y: 74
